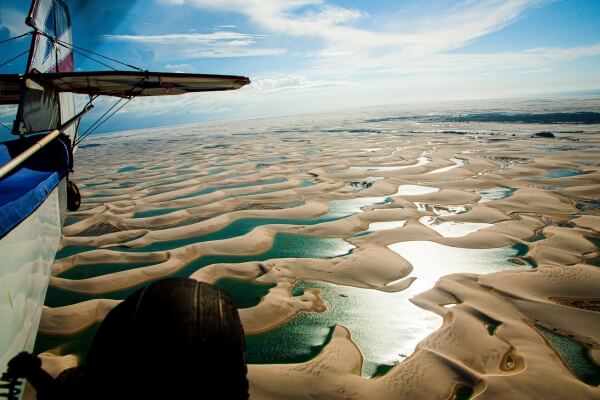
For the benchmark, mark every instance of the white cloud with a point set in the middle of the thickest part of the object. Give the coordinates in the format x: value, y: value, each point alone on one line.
x: 225, y: 53
x: 13, y: 21
x: 418, y: 41
x: 281, y: 83
x: 421, y: 39
x: 221, y: 38
x: 462, y: 23
x: 201, y: 45
x: 265, y: 96
x: 409, y: 54
x: 445, y: 63
x: 180, y: 68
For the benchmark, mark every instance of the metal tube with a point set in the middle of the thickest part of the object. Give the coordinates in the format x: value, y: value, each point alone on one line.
x: 18, y: 160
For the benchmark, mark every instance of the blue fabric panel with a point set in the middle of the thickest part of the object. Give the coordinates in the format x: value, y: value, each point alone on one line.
x: 25, y: 189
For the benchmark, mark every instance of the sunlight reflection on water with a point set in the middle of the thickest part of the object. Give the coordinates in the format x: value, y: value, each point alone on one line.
x: 385, y: 326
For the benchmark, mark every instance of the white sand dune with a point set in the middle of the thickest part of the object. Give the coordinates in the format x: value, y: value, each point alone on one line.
x: 432, y: 198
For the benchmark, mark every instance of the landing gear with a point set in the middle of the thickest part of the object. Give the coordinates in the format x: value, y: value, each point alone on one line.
x: 73, y: 196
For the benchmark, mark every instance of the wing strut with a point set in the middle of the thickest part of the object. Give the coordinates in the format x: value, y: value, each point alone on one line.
x: 18, y: 160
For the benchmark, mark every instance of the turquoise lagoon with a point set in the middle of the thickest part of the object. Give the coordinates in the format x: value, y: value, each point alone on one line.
x: 284, y: 246
x: 337, y: 209
x: 385, y: 326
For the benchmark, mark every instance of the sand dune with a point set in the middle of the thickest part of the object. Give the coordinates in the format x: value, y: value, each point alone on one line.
x: 217, y: 203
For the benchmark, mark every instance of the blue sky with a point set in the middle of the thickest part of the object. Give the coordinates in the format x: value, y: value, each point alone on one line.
x: 307, y: 56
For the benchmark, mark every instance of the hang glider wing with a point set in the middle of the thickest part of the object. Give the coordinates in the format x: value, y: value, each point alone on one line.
x: 10, y: 89
x: 132, y: 83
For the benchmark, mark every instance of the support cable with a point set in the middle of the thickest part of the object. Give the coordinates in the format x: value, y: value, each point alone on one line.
x: 6, y: 127
x: 97, y: 54
x: 16, y: 37
x: 93, y: 59
x: 71, y: 47
x: 98, y: 123
x: 93, y: 126
x: 89, y: 132
x: 14, y: 58
x: 75, y: 49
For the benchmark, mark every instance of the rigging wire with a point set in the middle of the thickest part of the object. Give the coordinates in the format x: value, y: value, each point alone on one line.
x: 6, y: 127
x: 14, y: 58
x: 97, y: 54
x: 89, y: 131
x: 74, y: 48
x: 99, y: 123
x: 66, y: 45
x: 18, y: 55
x: 93, y: 126
x: 85, y: 55
x: 16, y: 37
x: 108, y: 113
x: 88, y: 104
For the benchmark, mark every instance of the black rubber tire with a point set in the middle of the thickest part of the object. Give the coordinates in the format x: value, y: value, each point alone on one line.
x: 175, y: 339
x: 73, y: 196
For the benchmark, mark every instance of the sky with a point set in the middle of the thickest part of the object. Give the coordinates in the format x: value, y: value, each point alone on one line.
x: 314, y: 56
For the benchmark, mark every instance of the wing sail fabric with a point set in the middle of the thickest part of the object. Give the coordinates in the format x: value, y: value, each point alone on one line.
x: 39, y: 108
x: 53, y: 19
x: 132, y: 83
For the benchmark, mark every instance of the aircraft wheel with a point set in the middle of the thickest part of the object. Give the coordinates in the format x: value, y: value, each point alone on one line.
x: 73, y: 196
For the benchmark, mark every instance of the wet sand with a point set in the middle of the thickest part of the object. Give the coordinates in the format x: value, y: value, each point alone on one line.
x: 364, y: 204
